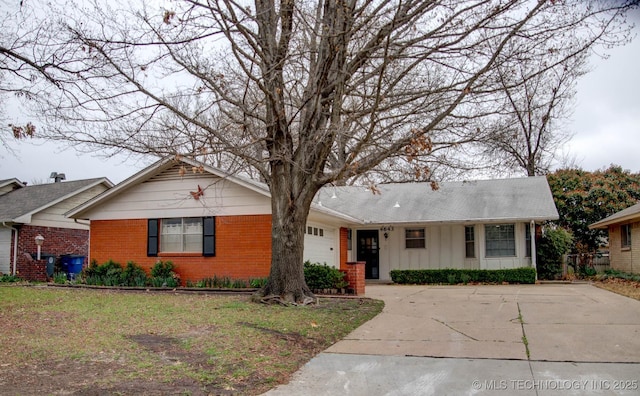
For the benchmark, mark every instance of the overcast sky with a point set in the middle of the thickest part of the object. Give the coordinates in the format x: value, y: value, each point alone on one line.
x: 605, y: 124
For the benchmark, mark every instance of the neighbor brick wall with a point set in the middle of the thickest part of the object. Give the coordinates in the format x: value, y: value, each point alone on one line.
x: 243, y: 248
x: 626, y: 260
x: 57, y: 241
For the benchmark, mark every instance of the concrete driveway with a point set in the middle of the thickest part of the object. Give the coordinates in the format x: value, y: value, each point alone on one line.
x: 520, y: 339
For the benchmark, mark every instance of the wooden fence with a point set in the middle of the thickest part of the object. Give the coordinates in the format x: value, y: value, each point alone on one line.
x: 597, y: 261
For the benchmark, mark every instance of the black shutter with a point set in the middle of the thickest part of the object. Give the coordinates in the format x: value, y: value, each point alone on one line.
x: 152, y: 237
x: 209, y: 236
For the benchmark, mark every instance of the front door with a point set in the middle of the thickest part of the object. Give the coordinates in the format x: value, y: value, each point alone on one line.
x: 368, y: 251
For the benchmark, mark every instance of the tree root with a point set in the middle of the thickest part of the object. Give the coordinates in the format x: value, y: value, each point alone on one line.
x: 286, y: 300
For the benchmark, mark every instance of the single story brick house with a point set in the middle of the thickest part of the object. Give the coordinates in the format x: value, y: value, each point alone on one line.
x: 39, y: 210
x: 210, y: 223
x: 624, y: 238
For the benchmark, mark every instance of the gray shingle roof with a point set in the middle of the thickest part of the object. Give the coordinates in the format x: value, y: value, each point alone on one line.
x: 30, y: 199
x: 632, y: 212
x: 482, y: 200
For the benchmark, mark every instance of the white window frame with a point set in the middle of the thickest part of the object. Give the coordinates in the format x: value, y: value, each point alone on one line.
x: 184, y: 234
x: 471, y: 241
x: 506, y: 247
x: 417, y: 238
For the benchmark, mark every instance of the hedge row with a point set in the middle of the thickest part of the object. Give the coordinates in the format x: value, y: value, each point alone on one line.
x: 456, y: 276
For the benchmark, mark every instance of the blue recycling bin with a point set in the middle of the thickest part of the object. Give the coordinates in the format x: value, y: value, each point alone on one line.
x: 72, y: 264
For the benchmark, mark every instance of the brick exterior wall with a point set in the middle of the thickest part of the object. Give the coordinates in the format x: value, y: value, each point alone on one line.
x: 354, y: 272
x: 57, y: 241
x: 624, y: 259
x: 355, y: 277
x: 243, y: 248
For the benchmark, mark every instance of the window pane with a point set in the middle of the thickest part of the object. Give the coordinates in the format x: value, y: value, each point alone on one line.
x: 500, y: 240
x: 181, y: 235
x: 193, y: 243
x: 172, y: 226
x: 414, y: 238
x: 470, y: 241
x: 193, y: 226
x: 171, y: 243
x: 626, y: 235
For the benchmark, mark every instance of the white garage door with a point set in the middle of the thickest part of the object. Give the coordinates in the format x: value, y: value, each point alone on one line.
x: 320, y: 245
x: 5, y: 250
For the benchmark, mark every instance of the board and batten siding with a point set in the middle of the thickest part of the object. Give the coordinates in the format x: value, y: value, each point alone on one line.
x: 168, y: 194
x: 54, y: 216
x: 519, y: 260
x: 445, y: 248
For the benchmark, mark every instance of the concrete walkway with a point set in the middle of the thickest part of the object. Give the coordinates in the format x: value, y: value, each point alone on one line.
x: 458, y: 340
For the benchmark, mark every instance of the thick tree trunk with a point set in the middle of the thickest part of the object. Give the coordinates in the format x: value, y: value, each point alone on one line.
x: 290, y: 203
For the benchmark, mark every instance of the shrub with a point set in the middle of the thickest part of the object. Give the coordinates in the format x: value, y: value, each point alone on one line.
x: 226, y: 282
x: 107, y: 274
x: 321, y: 276
x: 258, y: 283
x: 134, y: 275
x: 162, y: 275
x: 6, y: 278
x: 455, y: 276
x: 554, y: 243
x: 59, y: 278
x: 112, y: 274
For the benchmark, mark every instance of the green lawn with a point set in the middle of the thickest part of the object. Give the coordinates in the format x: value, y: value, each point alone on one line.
x: 161, y: 342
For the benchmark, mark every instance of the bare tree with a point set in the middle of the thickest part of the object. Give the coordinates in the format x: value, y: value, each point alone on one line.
x: 305, y: 93
x: 525, y: 132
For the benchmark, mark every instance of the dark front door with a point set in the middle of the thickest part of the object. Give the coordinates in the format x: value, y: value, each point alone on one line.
x: 368, y: 251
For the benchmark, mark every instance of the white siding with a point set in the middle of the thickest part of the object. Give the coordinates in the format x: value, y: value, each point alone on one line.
x: 445, y: 248
x: 54, y: 215
x: 322, y: 249
x: 504, y: 262
x: 5, y: 250
x: 169, y: 195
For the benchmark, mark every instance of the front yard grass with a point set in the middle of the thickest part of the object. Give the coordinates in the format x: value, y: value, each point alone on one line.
x: 66, y: 341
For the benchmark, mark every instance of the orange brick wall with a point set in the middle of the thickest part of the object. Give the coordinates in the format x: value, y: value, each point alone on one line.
x: 355, y: 277
x: 354, y: 271
x: 243, y: 247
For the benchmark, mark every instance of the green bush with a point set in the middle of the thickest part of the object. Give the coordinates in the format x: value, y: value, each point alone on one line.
x: 6, y: 278
x: 134, y: 275
x: 258, y: 283
x: 554, y: 243
x: 226, y: 282
x: 321, y: 276
x: 107, y: 274
x: 59, y: 278
x: 162, y: 275
x: 112, y: 274
x: 455, y: 276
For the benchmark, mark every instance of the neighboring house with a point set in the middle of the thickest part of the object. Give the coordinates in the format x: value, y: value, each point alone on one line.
x: 209, y: 223
x: 624, y: 238
x: 28, y: 211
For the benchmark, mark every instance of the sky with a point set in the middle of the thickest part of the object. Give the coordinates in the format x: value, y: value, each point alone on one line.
x: 605, y: 125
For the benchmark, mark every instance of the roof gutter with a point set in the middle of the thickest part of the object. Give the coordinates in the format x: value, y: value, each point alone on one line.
x: 15, y: 246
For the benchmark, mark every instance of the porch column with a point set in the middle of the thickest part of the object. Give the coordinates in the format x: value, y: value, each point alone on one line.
x: 532, y: 234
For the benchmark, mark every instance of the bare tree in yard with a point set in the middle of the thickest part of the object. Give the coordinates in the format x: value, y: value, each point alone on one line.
x: 526, y: 130
x: 305, y: 93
